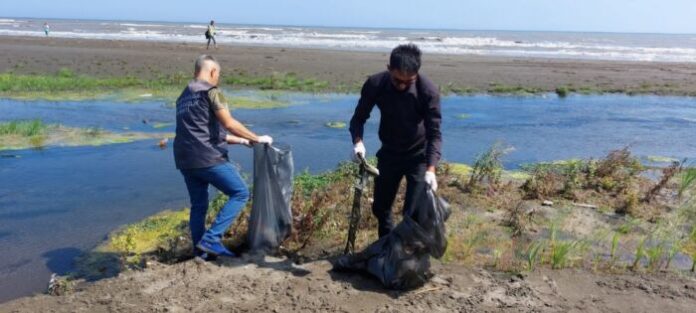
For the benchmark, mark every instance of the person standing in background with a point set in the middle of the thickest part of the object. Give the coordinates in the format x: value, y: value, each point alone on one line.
x: 210, y: 35
x: 46, y: 28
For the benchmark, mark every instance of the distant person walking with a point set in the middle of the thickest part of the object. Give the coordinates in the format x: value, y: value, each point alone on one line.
x: 210, y: 35
x: 204, y: 127
x: 46, y: 28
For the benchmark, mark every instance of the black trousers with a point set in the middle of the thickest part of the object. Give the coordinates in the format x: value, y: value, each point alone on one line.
x: 391, y: 171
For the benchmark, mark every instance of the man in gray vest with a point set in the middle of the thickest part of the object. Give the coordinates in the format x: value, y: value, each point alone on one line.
x: 204, y: 127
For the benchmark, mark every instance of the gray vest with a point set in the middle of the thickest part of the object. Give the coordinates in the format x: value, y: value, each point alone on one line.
x: 200, y: 139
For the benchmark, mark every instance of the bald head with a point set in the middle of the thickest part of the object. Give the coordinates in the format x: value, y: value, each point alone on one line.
x: 207, y: 68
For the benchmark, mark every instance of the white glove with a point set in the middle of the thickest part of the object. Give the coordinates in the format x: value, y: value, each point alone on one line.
x: 431, y: 180
x: 359, y: 149
x: 265, y: 139
x: 243, y: 141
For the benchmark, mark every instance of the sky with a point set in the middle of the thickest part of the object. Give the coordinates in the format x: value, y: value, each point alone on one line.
x: 651, y: 16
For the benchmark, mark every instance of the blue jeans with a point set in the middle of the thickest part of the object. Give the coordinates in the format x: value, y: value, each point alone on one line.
x: 225, y: 178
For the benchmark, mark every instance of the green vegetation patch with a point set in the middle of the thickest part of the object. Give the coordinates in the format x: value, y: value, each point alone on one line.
x: 149, y: 234
x: 279, y: 81
x: 17, y: 135
x: 254, y: 103
x: 336, y: 125
x: 66, y: 85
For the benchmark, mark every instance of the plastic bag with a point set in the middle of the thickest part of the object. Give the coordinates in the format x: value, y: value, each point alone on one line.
x: 401, y: 259
x: 270, y: 221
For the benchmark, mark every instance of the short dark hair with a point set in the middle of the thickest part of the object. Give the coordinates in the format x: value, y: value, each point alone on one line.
x: 405, y: 58
x: 201, y: 61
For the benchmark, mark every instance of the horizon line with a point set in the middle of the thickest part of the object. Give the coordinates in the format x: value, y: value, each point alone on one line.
x: 362, y: 27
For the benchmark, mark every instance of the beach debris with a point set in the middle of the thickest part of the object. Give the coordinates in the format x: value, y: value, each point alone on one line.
x: 146, y: 95
x: 547, y: 203
x: 163, y: 143
x: 145, y: 121
x: 431, y: 289
x: 585, y: 205
x: 58, y: 286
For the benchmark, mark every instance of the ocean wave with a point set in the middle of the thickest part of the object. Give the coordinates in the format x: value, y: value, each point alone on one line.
x: 359, y: 40
x: 270, y: 29
x: 141, y: 25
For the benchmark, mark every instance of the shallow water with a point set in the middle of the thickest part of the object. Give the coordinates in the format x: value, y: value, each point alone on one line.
x: 58, y: 202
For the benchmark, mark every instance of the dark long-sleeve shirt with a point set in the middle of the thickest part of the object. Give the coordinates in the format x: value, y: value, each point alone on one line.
x: 410, y: 119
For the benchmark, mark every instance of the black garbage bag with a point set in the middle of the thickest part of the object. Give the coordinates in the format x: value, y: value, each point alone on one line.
x: 401, y: 259
x: 270, y: 221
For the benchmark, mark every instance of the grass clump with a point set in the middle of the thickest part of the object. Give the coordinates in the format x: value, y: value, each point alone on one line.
x: 487, y: 169
x: 514, y: 90
x: 686, y: 180
x: 23, y: 128
x: 562, y: 92
x: 24, y: 134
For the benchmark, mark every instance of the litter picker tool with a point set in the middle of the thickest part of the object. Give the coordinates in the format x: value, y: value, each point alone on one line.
x: 365, y: 170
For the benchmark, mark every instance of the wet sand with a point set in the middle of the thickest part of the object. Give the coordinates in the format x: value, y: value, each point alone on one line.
x: 277, y: 286
x: 347, y: 68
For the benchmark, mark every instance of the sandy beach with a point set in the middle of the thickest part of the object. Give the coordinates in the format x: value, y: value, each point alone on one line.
x: 276, y: 286
x: 348, y: 68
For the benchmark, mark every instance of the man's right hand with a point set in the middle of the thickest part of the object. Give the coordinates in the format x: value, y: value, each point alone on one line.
x: 359, y: 149
x: 265, y: 139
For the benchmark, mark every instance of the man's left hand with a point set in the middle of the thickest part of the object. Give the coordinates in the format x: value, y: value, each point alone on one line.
x: 431, y: 180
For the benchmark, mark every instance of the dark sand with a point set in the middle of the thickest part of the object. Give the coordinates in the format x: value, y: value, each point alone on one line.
x: 149, y: 59
x: 236, y: 286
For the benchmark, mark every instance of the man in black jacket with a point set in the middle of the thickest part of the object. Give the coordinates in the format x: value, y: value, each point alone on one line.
x: 409, y: 130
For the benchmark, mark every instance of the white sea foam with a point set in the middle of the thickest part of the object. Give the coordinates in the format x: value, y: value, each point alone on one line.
x: 270, y: 29
x: 141, y: 25
x: 545, y: 45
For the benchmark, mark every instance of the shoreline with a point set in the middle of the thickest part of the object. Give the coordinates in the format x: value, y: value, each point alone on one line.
x: 156, y: 256
x: 345, y: 70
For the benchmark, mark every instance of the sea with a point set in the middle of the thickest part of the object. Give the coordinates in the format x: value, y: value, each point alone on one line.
x: 640, y: 47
